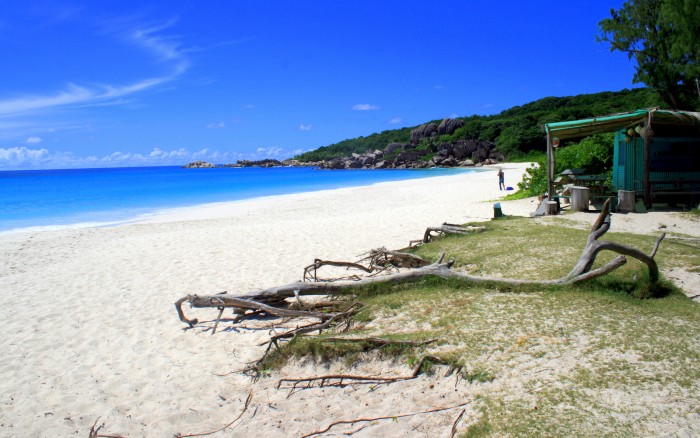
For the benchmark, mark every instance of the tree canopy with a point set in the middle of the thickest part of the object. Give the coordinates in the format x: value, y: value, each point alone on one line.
x: 662, y: 37
x: 515, y: 131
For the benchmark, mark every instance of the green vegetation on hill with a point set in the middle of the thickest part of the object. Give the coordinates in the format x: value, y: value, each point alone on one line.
x: 357, y: 145
x: 516, y: 132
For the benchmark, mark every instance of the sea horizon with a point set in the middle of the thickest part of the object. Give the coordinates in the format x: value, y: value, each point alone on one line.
x: 52, y: 199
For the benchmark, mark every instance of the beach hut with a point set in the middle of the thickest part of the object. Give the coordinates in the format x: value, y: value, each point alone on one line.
x: 656, y: 152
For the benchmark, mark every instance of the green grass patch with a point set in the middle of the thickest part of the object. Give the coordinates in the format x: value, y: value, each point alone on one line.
x: 588, y: 360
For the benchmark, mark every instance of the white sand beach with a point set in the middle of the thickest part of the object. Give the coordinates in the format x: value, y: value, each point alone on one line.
x: 90, y: 329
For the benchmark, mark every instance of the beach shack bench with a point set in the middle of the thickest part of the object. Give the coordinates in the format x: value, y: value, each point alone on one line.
x: 673, y: 191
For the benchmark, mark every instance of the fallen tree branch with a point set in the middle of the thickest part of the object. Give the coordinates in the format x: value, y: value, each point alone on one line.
x: 377, y: 261
x: 274, y: 300
x: 594, y: 246
x: 311, y: 271
x: 433, y: 232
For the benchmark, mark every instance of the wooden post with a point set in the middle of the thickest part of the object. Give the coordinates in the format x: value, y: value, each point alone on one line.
x: 625, y: 201
x: 645, y: 180
x: 580, y: 198
x: 647, y: 134
x: 550, y: 168
x: 551, y: 207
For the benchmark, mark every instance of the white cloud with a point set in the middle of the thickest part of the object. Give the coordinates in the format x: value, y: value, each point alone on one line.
x: 395, y: 120
x: 304, y: 127
x: 17, y: 158
x: 364, y: 107
x: 180, y: 153
x: 218, y: 125
x: 33, y: 140
x: 270, y: 152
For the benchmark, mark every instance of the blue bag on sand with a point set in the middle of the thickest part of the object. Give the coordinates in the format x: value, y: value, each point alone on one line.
x: 509, y: 188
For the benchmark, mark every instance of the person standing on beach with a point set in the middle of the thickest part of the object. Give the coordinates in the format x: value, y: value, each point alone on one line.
x: 501, y: 180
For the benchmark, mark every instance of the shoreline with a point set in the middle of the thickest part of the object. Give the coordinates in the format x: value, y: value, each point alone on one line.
x: 89, y: 317
x: 124, y: 217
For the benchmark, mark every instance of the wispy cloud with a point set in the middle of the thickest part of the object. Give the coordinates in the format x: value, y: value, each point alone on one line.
x: 364, y: 107
x: 149, y: 39
x: 304, y: 127
x: 162, y: 46
x: 33, y: 140
x: 217, y: 125
x: 395, y: 120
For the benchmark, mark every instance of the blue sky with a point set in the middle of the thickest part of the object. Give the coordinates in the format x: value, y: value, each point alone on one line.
x: 96, y: 84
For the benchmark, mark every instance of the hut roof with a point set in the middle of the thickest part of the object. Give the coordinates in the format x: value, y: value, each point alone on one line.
x: 613, y: 122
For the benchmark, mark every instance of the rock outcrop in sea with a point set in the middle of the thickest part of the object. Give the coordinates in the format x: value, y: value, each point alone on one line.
x: 199, y: 165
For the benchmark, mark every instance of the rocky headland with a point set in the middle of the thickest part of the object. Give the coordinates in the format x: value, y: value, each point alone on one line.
x: 422, y: 151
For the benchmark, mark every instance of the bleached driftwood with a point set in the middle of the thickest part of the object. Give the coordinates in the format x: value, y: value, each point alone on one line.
x: 274, y: 300
x: 433, y: 232
x: 376, y: 262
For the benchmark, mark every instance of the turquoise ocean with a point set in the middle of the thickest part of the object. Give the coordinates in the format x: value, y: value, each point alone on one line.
x: 100, y: 197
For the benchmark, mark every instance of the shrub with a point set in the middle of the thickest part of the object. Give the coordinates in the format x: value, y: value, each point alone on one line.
x: 593, y: 154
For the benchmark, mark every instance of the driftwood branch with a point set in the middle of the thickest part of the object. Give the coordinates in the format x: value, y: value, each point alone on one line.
x: 594, y: 246
x: 433, y: 232
x: 274, y: 301
x: 377, y: 261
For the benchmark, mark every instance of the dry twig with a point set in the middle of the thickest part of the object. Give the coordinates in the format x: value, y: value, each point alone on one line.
x: 453, y: 431
x: 245, y: 408
x: 388, y: 417
x: 95, y: 431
